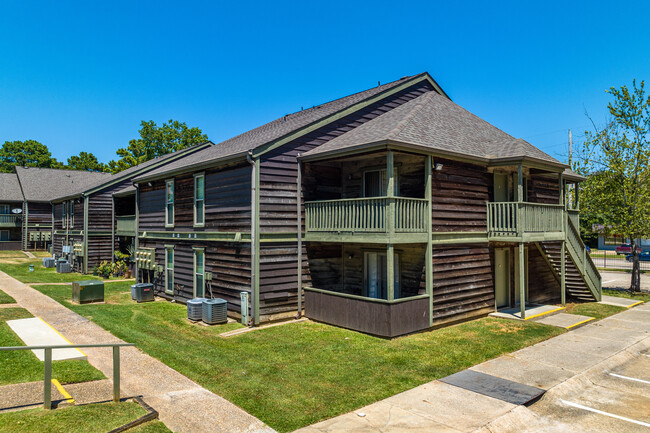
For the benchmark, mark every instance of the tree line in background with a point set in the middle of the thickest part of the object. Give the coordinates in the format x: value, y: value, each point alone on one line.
x: 154, y: 141
x: 615, y: 198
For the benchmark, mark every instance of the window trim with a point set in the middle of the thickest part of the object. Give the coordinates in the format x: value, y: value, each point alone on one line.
x: 169, y: 248
x: 167, y: 203
x: 71, y: 213
x: 196, y: 250
x: 197, y: 176
x: 64, y: 215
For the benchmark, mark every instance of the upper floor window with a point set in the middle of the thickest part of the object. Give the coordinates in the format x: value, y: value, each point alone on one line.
x: 169, y: 201
x: 64, y: 214
x: 375, y: 183
x: 71, y: 214
x: 199, y: 200
x: 4, y: 209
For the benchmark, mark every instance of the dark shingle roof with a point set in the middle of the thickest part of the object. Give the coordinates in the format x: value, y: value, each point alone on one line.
x: 131, y: 171
x: 10, y: 188
x: 433, y: 121
x: 45, y: 184
x: 275, y: 130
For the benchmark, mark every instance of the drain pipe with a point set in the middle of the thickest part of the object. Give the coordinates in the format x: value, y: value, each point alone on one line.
x: 255, y: 288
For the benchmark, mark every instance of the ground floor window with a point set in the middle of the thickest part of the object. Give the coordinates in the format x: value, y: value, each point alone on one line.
x: 199, y: 272
x: 614, y: 240
x: 169, y: 270
x: 376, y: 275
x: 4, y: 235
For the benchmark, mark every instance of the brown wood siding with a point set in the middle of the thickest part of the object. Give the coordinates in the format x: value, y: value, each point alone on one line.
x: 279, y: 277
x: 152, y: 206
x: 543, y: 189
x: 463, y: 282
x: 229, y: 264
x: 459, y: 194
x: 324, y: 264
x: 543, y: 287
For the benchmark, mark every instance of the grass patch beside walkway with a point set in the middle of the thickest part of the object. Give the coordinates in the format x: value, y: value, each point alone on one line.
x: 20, y: 366
x: 19, y: 269
x: 593, y: 309
x: 6, y: 299
x: 12, y: 254
x: 639, y: 296
x: 91, y: 418
x: 294, y: 375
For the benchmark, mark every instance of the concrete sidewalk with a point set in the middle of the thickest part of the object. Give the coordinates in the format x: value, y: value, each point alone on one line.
x: 439, y: 407
x: 183, y: 405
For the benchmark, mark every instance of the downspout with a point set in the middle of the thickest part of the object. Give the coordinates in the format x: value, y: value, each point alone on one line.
x: 137, y: 229
x: 255, y: 262
x: 26, y: 219
x: 85, y: 244
x: 299, y: 232
x: 112, y: 229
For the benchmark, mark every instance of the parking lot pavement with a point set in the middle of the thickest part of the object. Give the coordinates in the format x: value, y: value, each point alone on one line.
x: 621, y: 280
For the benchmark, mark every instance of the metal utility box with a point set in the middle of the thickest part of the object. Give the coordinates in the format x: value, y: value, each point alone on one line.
x: 133, y: 288
x: 215, y: 311
x: 85, y: 292
x: 78, y: 249
x: 145, y: 258
x: 46, y: 236
x: 63, y: 266
x: 144, y: 292
x: 49, y: 262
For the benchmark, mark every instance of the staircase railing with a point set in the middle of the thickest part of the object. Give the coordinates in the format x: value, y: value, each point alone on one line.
x: 582, y: 260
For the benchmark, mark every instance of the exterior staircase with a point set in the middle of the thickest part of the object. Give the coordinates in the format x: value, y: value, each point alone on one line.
x: 583, y: 281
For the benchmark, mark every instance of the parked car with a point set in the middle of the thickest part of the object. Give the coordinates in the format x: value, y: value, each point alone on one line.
x: 626, y: 249
x: 643, y: 257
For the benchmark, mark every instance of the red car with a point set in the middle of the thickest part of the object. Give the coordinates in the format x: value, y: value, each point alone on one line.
x: 626, y: 249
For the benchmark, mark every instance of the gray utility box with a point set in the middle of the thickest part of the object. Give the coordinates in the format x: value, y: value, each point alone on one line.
x: 144, y: 292
x: 133, y: 287
x: 85, y: 292
x: 49, y: 262
x: 63, y: 266
x: 215, y: 311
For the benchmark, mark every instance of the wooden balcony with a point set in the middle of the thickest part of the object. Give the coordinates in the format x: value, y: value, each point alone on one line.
x: 125, y: 225
x: 10, y: 220
x: 376, y: 219
x: 525, y: 222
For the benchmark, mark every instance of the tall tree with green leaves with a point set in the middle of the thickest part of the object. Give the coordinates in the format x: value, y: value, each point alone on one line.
x: 86, y: 161
x: 28, y: 153
x: 156, y: 141
x: 615, y: 158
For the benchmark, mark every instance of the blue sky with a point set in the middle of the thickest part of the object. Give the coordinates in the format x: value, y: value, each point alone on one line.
x: 80, y: 76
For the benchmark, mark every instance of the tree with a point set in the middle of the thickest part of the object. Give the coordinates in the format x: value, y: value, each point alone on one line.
x: 156, y: 141
x: 616, y: 160
x: 28, y: 153
x: 86, y: 161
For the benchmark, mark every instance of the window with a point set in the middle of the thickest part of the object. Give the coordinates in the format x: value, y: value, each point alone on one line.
x: 376, y: 275
x: 64, y: 215
x: 4, y: 235
x: 199, y: 272
x: 199, y: 200
x: 614, y: 240
x: 375, y: 183
x: 71, y: 213
x: 169, y: 209
x: 4, y: 209
x: 169, y: 270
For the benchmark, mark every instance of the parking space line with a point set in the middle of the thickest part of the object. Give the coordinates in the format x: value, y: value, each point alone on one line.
x: 629, y: 378
x: 600, y: 412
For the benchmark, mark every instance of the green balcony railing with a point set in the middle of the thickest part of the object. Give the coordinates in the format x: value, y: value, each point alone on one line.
x: 10, y: 220
x: 367, y: 215
x: 516, y: 218
x: 125, y: 225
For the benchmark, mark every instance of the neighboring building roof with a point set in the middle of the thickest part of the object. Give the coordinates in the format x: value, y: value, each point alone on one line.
x: 571, y: 175
x: 131, y: 171
x: 44, y: 184
x: 279, y: 128
x: 10, y: 188
x: 435, y: 122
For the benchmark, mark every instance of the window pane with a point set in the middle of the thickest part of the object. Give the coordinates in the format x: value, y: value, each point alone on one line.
x: 170, y: 280
x: 199, y: 212
x: 4, y: 209
x: 170, y: 192
x: 170, y: 258
x: 372, y: 184
x: 199, y: 187
x: 199, y: 262
x: 170, y: 214
x: 4, y: 235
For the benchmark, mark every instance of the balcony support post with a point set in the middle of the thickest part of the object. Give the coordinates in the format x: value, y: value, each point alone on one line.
x: 563, y: 274
x: 522, y: 281
x: 390, y: 225
x: 299, y: 233
x: 560, y: 183
x: 428, y: 259
x: 390, y: 271
x: 112, y: 229
x: 520, y: 200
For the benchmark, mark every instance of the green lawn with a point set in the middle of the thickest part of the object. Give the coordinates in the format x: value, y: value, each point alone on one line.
x: 12, y: 254
x: 23, y: 366
x: 90, y: 418
x: 645, y: 297
x: 6, y: 299
x: 19, y: 269
x: 593, y: 309
x: 294, y: 375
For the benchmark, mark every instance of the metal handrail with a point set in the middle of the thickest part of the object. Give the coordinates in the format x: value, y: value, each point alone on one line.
x: 47, y: 376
